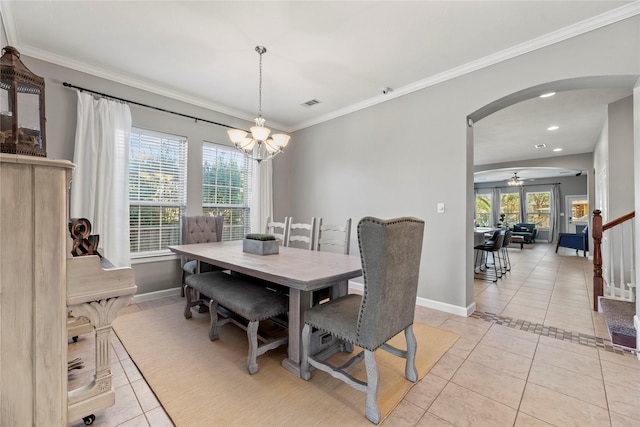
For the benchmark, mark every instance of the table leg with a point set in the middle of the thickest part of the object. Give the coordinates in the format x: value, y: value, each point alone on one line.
x: 299, y: 301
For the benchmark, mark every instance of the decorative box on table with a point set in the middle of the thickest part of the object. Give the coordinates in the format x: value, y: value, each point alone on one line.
x: 260, y: 244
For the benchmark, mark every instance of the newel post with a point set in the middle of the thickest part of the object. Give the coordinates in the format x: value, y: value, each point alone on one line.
x: 597, y: 258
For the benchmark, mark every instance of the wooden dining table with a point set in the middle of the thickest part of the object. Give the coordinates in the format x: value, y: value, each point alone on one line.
x: 301, y: 270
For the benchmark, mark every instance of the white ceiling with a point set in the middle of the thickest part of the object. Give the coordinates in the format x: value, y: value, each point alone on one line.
x: 341, y: 53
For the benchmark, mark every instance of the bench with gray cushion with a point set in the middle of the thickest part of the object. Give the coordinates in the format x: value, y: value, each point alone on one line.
x: 250, y: 300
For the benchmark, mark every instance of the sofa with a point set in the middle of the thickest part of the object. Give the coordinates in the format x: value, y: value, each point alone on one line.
x: 528, y: 231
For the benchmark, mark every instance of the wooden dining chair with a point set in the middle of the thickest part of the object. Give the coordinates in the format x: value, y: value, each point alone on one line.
x: 278, y: 229
x: 301, y: 235
x: 331, y: 238
x: 334, y: 238
x: 390, y: 252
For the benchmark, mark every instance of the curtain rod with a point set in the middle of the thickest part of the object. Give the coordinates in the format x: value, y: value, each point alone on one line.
x: 518, y: 186
x: 197, y: 119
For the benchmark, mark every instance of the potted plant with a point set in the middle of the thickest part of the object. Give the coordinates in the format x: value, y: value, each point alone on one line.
x: 260, y: 244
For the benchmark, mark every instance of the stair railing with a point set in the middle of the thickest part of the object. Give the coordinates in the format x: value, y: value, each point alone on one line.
x: 613, y: 258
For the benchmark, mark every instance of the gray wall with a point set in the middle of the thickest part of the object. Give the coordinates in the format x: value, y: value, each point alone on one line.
x: 621, y: 200
x: 406, y: 155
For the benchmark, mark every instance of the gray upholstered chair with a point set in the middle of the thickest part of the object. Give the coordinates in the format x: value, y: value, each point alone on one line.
x: 199, y: 229
x: 390, y: 251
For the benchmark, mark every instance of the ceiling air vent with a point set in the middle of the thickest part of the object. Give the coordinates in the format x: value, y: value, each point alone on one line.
x: 310, y: 103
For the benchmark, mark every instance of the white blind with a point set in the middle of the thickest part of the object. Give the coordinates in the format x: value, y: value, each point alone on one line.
x: 157, y: 190
x: 226, y: 188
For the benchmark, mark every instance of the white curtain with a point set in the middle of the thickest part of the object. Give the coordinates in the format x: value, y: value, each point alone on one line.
x: 262, y: 197
x: 523, y: 206
x: 100, y: 183
x: 495, y: 206
x: 554, y: 213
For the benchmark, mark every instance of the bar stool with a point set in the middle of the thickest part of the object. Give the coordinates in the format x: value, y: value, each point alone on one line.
x: 482, y: 266
x: 504, y: 253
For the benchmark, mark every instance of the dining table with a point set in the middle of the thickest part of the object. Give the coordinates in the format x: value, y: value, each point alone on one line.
x: 480, y: 234
x: 302, y: 271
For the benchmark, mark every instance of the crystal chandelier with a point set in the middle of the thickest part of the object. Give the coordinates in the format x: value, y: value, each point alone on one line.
x: 259, y: 146
x: 515, y: 180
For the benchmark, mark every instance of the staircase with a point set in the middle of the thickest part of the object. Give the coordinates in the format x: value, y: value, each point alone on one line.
x: 613, y: 264
x: 619, y: 318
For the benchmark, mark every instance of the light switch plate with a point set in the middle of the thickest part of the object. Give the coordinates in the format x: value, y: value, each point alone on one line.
x: 440, y: 207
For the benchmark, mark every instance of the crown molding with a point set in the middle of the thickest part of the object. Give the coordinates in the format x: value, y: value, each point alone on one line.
x: 611, y: 17
x: 591, y: 24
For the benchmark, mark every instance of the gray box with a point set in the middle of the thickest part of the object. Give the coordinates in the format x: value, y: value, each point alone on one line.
x: 260, y: 247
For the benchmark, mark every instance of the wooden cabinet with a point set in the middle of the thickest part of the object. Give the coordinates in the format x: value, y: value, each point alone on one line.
x: 33, y: 312
x: 40, y: 282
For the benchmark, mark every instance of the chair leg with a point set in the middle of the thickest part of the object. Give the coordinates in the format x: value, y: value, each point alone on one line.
x: 190, y: 293
x: 410, y: 370
x: 252, y: 336
x: 182, y: 287
x: 213, y: 313
x: 372, y: 411
x: 305, y: 371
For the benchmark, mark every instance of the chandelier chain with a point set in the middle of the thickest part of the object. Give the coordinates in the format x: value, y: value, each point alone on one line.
x: 260, y: 50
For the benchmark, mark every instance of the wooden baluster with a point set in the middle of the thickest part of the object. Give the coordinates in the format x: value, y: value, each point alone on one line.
x: 623, y: 285
x: 597, y: 258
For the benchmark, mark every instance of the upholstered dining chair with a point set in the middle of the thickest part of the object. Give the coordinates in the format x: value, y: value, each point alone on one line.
x: 199, y: 229
x: 390, y: 252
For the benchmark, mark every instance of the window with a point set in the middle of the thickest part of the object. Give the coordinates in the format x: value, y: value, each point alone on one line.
x: 157, y: 190
x: 226, y: 188
x: 539, y: 208
x: 510, y: 207
x: 483, y: 210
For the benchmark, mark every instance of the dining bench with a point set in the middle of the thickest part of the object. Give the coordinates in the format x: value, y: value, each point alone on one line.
x: 242, y: 301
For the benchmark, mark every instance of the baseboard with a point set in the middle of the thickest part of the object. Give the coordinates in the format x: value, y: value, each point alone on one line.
x: 149, y: 296
x: 425, y: 302
x: 422, y: 302
x: 446, y: 307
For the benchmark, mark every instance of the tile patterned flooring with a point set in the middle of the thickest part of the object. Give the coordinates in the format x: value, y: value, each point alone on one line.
x: 533, y: 354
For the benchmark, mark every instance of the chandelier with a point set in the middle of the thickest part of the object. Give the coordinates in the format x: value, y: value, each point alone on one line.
x: 515, y: 180
x: 259, y: 146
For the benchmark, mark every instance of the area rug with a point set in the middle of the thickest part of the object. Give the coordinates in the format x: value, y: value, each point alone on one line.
x: 206, y: 383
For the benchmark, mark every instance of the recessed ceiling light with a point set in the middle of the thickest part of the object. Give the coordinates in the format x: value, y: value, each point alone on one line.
x: 554, y: 127
x: 546, y: 95
x: 557, y: 149
x: 540, y: 145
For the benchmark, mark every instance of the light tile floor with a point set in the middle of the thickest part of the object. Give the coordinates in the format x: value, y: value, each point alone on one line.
x: 533, y: 354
